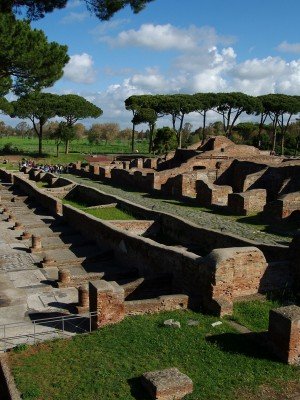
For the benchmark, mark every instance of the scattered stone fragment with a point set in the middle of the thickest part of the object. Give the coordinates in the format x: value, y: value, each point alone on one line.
x: 216, y: 323
x: 172, y: 324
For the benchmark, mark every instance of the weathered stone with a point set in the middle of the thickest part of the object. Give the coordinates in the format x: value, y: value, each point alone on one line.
x: 64, y: 276
x: 172, y: 324
x: 18, y: 226
x: 26, y: 235
x: 83, y: 299
x: 284, y: 333
x: 36, y: 244
x: 107, y: 299
x: 167, y: 384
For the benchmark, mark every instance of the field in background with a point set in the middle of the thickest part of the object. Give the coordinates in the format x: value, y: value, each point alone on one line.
x: 78, y: 148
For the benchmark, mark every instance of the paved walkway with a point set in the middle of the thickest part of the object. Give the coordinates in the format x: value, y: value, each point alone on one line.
x: 193, y: 214
x: 25, y: 292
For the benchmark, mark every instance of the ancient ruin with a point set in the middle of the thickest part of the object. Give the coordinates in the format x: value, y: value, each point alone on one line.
x: 72, y: 262
x: 239, y: 178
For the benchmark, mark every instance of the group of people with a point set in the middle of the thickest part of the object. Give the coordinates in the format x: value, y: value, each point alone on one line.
x: 54, y: 169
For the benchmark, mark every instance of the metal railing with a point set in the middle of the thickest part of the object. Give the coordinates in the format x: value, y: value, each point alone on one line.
x: 38, y: 330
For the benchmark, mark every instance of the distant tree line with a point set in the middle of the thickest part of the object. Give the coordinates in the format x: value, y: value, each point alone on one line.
x: 276, y: 108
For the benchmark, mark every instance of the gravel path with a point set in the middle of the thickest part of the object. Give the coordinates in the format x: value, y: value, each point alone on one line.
x: 193, y: 214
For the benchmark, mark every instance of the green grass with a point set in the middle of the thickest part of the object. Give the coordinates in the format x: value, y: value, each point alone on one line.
x: 106, y: 364
x: 285, y: 228
x: 106, y: 213
x: 29, y: 147
x: 254, y: 314
x: 41, y: 184
x: 109, y: 213
x: 9, y: 166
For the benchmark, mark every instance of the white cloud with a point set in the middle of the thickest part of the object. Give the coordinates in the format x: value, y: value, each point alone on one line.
x: 260, y: 68
x: 166, y: 37
x: 289, y: 47
x: 80, y: 69
x: 74, y: 17
x: 268, y: 75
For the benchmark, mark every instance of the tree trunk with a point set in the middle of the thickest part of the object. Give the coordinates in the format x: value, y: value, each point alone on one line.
x: 151, y: 130
x: 204, y: 127
x: 40, y: 145
x: 274, y: 138
x: 282, y: 144
x: 132, y: 138
x: 67, y: 146
x: 57, y: 149
x: 179, y: 140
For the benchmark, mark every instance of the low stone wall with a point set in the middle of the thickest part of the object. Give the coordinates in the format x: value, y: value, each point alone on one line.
x: 188, y: 233
x: 10, y: 389
x: 152, y: 306
x: 134, y: 226
x: 52, y: 204
x: 148, y: 257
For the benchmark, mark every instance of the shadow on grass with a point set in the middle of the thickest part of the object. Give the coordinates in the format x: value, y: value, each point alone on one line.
x: 287, y: 227
x: 252, y: 344
x: 137, y: 390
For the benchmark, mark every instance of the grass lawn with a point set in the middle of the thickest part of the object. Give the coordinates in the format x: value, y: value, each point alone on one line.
x: 29, y: 147
x: 106, y: 213
x: 105, y: 364
x: 254, y: 314
x: 41, y: 184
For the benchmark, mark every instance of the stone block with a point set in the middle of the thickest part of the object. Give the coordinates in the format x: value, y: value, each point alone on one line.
x: 167, y: 384
x: 284, y: 333
x: 235, y: 272
x: 210, y: 194
x: 107, y: 300
x: 252, y: 201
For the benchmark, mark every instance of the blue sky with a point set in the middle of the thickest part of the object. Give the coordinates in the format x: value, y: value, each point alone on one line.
x: 177, y: 46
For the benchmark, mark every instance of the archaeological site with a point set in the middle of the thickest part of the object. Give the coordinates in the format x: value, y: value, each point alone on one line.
x: 66, y: 271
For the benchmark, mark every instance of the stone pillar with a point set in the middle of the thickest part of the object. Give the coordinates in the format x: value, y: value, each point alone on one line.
x: 10, y: 218
x: 36, y: 244
x: 64, y: 276
x: 96, y: 169
x: 18, y: 226
x: 83, y: 299
x: 107, y: 299
x: 26, y: 235
x: 139, y: 163
x: 284, y: 333
x: 47, y: 262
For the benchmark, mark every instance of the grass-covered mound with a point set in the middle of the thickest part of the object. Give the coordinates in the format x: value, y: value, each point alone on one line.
x: 104, y: 365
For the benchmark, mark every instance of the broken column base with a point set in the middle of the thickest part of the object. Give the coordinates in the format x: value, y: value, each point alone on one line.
x: 167, y: 384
